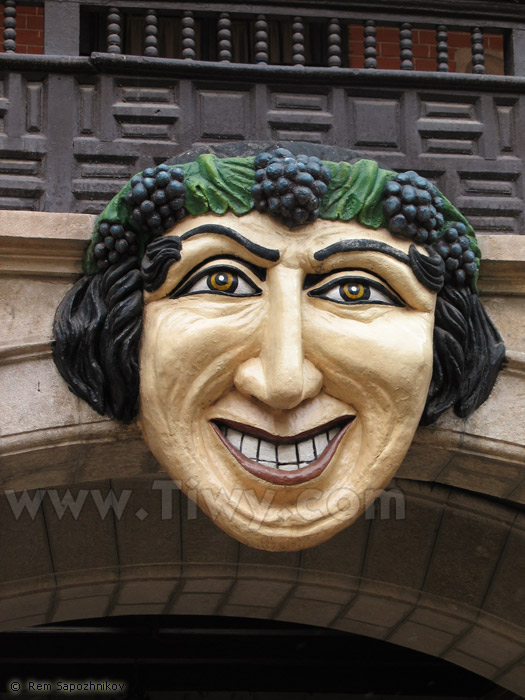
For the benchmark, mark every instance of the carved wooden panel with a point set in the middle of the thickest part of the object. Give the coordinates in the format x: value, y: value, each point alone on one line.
x: 22, y: 142
x: 297, y: 116
x: 491, y: 201
x: 223, y: 114
x: 147, y: 110
x: 376, y: 123
x: 449, y: 125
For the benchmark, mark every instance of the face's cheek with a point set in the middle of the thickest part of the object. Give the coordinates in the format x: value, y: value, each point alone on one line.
x: 190, y: 350
x: 381, y: 364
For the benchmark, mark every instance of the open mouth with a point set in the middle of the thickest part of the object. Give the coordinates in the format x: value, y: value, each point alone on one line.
x: 282, y: 460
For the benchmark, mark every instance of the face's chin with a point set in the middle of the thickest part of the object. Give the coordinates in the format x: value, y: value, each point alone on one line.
x: 285, y: 490
x: 282, y: 407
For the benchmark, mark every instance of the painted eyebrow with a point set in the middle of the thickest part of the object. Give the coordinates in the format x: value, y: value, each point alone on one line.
x: 258, y: 250
x: 352, y: 245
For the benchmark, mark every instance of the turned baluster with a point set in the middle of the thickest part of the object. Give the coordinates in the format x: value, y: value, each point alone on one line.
x: 405, y: 44
x: 224, y: 37
x: 334, y: 43
x: 442, y: 48
x: 188, y: 35
x: 261, y: 40
x: 150, y: 34
x: 298, y: 58
x: 478, y: 52
x: 9, y: 26
x: 370, y: 52
x: 114, y: 30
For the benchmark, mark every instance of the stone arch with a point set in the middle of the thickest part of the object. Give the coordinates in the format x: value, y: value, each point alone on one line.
x: 395, y: 579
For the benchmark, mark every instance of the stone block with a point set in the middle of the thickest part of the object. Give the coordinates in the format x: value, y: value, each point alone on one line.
x: 475, y: 665
x: 465, y: 555
x: 81, y: 608
x: 259, y: 592
x: 311, y: 612
x: 196, y: 604
x: 422, y: 638
x: 489, y: 646
x: 377, y: 611
x: 140, y: 592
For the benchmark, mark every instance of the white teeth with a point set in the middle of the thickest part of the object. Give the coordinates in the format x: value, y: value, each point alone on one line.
x: 306, y: 450
x: 235, y: 437
x: 249, y: 446
x: 320, y: 443
x: 286, y: 454
x: 266, y: 451
x: 286, y: 457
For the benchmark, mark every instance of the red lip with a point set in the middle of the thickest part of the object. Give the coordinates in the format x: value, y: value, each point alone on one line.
x: 281, y: 477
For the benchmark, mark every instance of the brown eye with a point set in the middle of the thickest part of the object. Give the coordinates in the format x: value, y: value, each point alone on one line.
x: 222, y: 281
x: 353, y: 291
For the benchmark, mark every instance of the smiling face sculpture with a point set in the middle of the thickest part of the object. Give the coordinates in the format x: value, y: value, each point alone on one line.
x: 286, y: 309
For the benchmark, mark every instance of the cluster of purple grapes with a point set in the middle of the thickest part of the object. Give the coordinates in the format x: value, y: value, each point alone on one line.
x: 290, y: 187
x: 117, y: 245
x: 413, y: 207
x: 157, y: 198
x: 454, y: 248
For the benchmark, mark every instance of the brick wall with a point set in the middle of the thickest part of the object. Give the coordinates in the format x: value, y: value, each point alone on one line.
x: 29, y: 29
x: 424, y: 49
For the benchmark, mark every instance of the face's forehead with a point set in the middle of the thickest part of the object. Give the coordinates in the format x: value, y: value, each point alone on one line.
x: 316, y: 248
x: 293, y: 244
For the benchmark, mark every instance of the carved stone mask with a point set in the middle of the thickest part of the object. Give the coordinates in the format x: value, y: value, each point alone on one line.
x: 282, y: 394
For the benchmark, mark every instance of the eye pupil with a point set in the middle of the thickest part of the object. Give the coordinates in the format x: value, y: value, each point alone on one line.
x: 354, y: 291
x: 222, y: 281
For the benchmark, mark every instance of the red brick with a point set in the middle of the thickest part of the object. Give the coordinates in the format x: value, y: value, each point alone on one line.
x: 21, y: 21
x: 422, y: 50
x: 427, y: 36
x: 34, y: 22
x: 495, y: 41
x: 29, y: 37
x: 459, y: 39
x: 356, y: 48
x: 387, y: 34
x: 355, y: 31
x: 357, y: 62
x: 387, y: 49
x: 388, y: 63
x: 425, y: 64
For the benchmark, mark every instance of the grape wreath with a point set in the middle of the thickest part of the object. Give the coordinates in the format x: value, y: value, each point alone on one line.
x: 290, y: 187
x: 156, y: 199
x: 414, y: 209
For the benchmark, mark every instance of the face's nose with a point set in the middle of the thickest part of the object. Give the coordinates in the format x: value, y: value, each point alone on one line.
x: 281, y: 376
